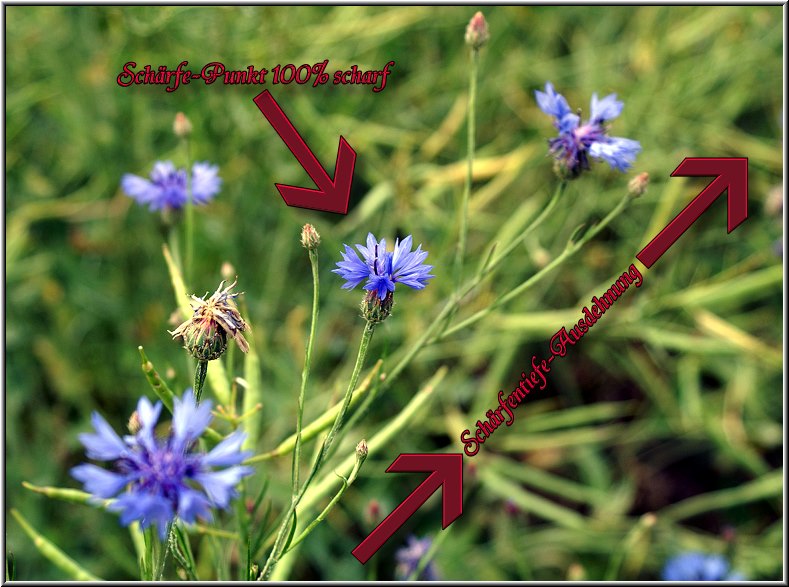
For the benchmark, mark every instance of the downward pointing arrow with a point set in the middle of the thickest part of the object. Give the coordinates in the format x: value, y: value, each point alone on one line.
x: 732, y: 176
x: 332, y: 195
x: 446, y: 470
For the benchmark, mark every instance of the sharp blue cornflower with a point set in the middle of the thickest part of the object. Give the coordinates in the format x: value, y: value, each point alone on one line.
x: 167, y: 187
x: 408, y: 558
x: 576, y: 141
x: 383, y: 269
x: 697, y: 566
x: 163, y: 477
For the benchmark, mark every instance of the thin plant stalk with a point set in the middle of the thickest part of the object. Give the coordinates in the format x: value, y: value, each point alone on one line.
x: 345, y: 484
x: 189, y: 212
x: 313, y: 253
x: 572, y: 247
x: 471, y: 145
x: 285, y: 527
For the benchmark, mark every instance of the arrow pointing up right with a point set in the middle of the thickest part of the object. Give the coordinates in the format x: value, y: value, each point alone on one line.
x: 732, y: 176
x: 445, y: 470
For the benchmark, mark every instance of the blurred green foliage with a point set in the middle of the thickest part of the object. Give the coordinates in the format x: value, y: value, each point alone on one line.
x: 672, y: 404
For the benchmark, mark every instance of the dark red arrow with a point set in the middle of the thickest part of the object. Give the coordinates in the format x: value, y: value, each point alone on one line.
x: 732, y: 176
x: 446, y: 470
x: 332, y: 195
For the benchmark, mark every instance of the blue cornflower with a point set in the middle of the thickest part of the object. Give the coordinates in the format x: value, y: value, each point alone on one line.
x: 576, y: 141
x: 697, y: 566
x: 163, y: 477
x: 383, y: 269
x: 167, y: 186
x: 408, y: 558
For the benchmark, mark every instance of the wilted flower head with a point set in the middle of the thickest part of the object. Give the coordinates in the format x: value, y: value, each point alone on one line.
x: 576, y: 141
x: 163, y: 477
x: 477, y: 31
x: 697, y: 566
x: 205, y: 333
x: 408, y: 558
x: 167, y: 186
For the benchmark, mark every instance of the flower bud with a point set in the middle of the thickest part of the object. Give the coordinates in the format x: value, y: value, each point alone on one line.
x: 227, y: 270
x: 638, y: 185
x: 477, y: 31
x: 361, y: 450
x: 374, y: 309
x: 134, y: 424
x: 181, y: 126
x: 310, y: 239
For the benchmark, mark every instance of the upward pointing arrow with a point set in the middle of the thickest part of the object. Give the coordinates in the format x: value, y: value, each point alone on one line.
x: 731, y: 175
x: 332, y: 195
x: 445, y: 470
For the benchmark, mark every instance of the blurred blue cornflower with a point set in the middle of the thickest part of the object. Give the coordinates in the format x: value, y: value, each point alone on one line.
x: 164, y: 477
x: 167, y: 185
x: 408, y: 558
x: 383, y: 269
x: 577, y: 141
x: 697, y: 566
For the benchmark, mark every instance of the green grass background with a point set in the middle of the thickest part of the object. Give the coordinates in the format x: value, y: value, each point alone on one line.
x: 672, y: 404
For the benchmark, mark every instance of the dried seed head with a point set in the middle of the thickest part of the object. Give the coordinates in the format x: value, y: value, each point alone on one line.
x: 206, y: 333
x: 181, y: 126
x: 477, y: 31
x: 310, y: 239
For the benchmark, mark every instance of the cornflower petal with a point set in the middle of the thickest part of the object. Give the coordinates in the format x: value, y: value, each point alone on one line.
x: 619, y: 153
x: 105, y: 445
x: 227, y: 452
x: 139, y: 188
x: 220, y: 485
x: 193, y: 504
x: 606, y: 109
x: 189, y: 420
x: 98, y: 481
x: 552, y: 102
x: 351, y: 268
x: 206, y: 182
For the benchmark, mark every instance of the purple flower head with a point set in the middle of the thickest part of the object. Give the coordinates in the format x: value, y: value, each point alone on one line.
x: 167, y: 187
x: 697, y: 566
x: 408, y: 558
x: 163, y: 477
x: 577, y: 141
x: 383, y: 269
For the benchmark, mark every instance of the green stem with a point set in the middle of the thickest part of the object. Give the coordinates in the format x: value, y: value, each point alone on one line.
x: 572, y: 247
x: 52, y: 553
x: 306, y: 371
x: 471, y: 139
x: 200, y: 372
x: 345, y: 484
x: 285, y: 527
x: 189, y: 213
